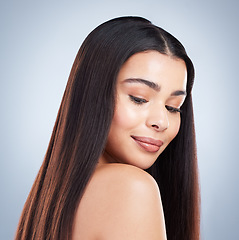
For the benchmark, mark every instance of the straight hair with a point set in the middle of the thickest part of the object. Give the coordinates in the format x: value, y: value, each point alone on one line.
x: 81, y: 130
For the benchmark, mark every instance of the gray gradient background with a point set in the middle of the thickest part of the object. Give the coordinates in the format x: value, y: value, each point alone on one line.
x: 38, y: 43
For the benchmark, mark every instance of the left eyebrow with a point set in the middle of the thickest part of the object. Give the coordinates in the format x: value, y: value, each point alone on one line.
x: 150, y: 84
x: 153, y: 85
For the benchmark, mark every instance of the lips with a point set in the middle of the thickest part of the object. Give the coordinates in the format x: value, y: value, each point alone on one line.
x: 148, y: 144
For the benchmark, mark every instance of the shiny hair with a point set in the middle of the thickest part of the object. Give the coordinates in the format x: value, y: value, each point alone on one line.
x: 81, y: 130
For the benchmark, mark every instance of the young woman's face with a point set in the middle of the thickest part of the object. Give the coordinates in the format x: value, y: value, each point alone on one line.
x: 151, y: 87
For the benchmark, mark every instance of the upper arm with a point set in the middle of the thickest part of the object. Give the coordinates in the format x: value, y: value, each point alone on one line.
x: 129, y: 206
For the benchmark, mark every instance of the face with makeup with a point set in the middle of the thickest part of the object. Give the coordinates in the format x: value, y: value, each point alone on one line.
x: 151, y: 88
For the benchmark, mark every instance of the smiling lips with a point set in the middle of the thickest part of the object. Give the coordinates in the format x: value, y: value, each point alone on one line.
x: 148, y: 144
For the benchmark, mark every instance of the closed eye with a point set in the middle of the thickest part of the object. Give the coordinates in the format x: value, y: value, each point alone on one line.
x: 137, y: 100
x: 173, y: 110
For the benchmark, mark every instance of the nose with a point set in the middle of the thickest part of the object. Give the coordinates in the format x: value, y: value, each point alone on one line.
x: 158, y: 119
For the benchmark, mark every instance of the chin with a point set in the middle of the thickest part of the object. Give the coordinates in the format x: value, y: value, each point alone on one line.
x: 143, y: 164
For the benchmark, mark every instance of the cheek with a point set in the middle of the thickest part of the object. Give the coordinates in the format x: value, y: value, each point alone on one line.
x: 175, y: 125
x: 125, y: 117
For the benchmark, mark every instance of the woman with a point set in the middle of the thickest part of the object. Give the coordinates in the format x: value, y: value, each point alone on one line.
x: 125, y: 123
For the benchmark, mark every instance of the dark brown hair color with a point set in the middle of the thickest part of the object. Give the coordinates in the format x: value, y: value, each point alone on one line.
x: 81, y: 129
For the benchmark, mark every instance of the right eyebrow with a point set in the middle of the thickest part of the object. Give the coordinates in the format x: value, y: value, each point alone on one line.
x: 148, y: 83
x: 179, y: 93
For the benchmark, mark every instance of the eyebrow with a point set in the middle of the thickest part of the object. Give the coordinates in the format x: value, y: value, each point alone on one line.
x: 153, y: 85
x: 179, y: 93
x: 150, y: 84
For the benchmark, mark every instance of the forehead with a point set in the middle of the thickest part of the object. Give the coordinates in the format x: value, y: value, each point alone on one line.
x: 156, y: 67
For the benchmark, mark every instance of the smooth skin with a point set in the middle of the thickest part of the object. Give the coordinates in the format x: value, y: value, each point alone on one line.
x: 151, y: 88
x: 122, y: 201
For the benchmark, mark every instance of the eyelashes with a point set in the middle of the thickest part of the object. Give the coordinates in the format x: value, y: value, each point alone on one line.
x: 137, y: 100
x: 141, y: 101
x: 173, y: 110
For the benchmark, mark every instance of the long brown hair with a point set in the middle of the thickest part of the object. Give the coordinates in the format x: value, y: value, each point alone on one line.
x: 81, y: 129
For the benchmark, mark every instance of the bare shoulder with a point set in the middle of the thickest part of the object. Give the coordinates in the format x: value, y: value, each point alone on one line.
x: 122, y: 202
x: 126, y: 176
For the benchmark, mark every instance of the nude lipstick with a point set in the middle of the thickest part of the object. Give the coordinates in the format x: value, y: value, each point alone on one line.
x: 148, y: 144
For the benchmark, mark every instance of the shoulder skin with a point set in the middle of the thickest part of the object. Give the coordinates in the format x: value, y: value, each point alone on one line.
x: 120, y: 202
